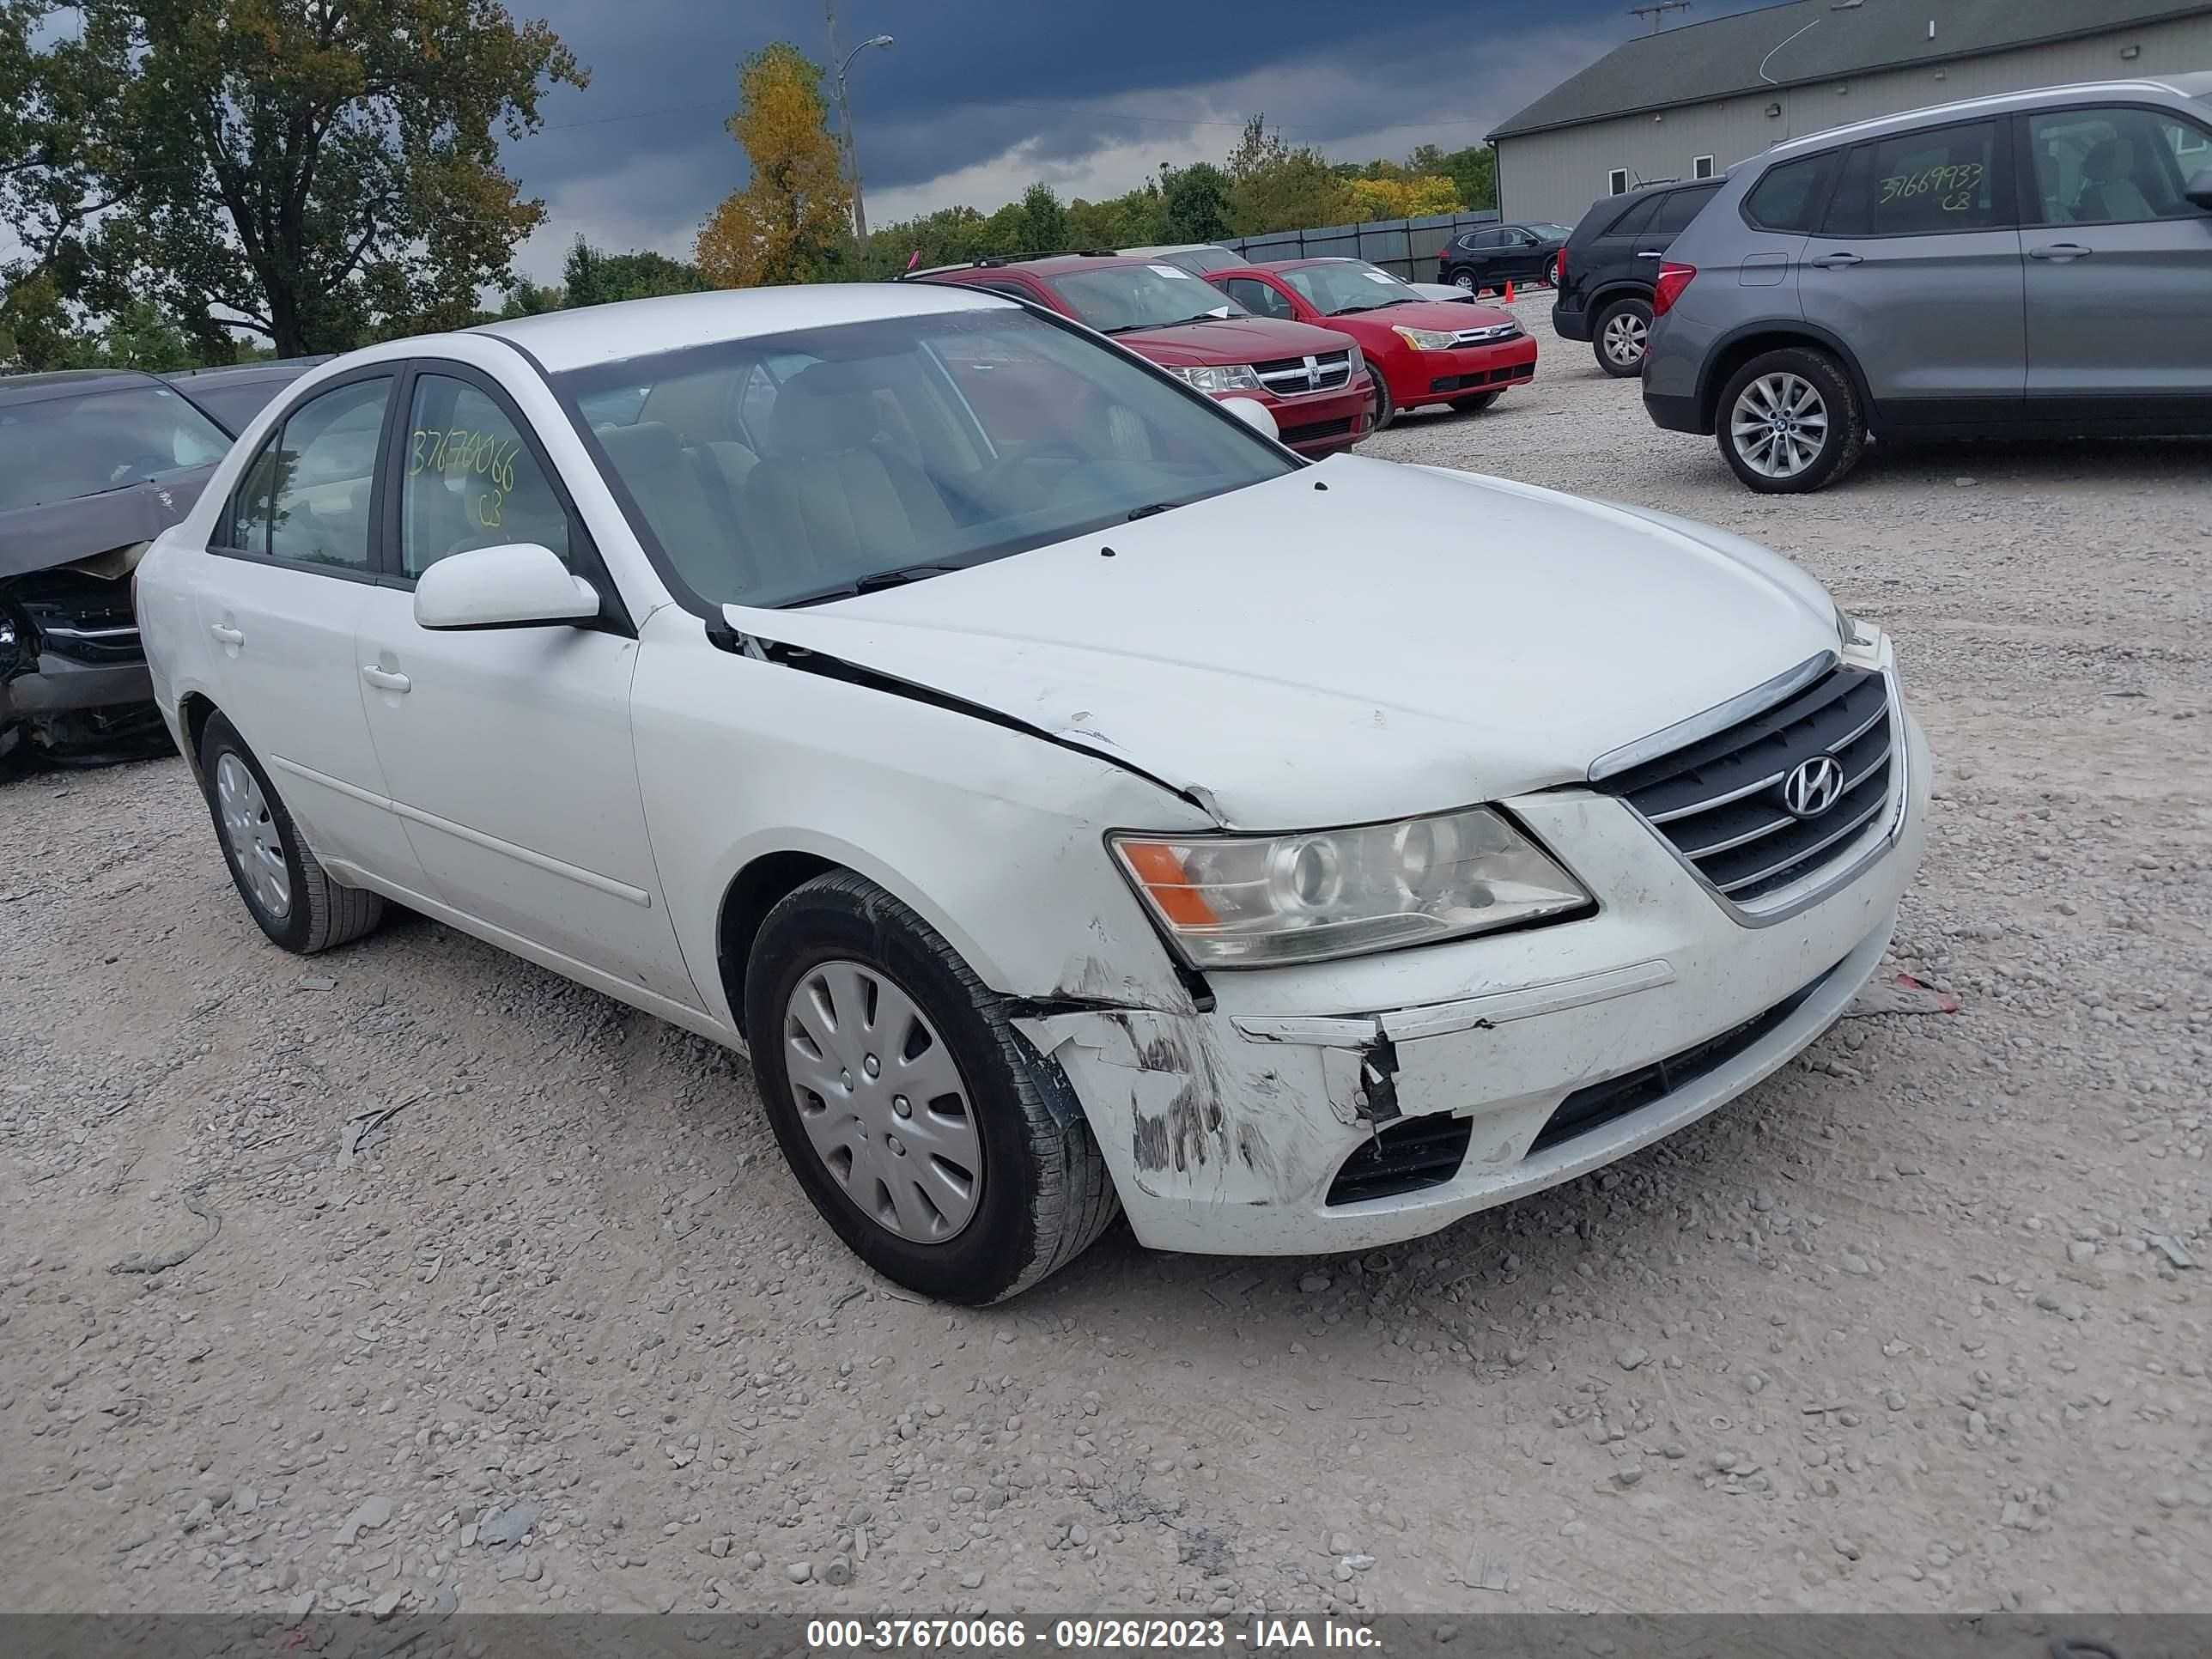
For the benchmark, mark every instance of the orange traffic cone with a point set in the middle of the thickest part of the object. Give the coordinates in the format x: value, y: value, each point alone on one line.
x: 1509, y: 290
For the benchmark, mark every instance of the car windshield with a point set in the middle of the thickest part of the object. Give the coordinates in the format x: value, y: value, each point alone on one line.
x: 1122, y: 299
x: 797, y: 468
x: 1343, y: 286
x: 60, y: 448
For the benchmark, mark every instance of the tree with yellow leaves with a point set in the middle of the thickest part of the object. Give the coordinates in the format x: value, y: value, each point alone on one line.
x: 1404, y: 198
x: 789, y: 220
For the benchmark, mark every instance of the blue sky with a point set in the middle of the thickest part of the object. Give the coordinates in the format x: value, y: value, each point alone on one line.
x: 979, y: 98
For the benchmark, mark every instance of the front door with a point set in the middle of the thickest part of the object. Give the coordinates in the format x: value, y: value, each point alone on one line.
x: 2119, y: 264
x: 507, y: 751
x: 288, y: 575
x: 1917, y: 264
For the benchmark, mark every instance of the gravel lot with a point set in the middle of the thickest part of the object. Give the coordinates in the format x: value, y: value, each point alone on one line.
x: 1919, y: 1324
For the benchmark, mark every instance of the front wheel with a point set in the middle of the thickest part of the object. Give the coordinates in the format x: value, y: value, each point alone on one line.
x: 1623, y: 329
x: 1476, y: 405
x: 1382, y: 412
x: 945, y: 1151
x: 1789, y: 423
x: 286, y: 890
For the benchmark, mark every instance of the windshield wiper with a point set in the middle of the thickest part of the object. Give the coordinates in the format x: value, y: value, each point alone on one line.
x: 874, y: 581
x: 1202, y: 317
x: 1353, y: 311
x: 1148, y: 508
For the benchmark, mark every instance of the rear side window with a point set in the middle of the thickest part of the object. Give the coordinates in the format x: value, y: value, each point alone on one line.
x: 306, y: 497
x: 1789, y: 197
x: 1677, y: 209
x: 1632, y: 221
x: 1921, y: 184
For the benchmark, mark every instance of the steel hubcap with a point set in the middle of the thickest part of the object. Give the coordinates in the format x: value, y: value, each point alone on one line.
x: 1623, y: 338
x: 882, y: 1102
x: 1779, y: 425
x: 255, y: 846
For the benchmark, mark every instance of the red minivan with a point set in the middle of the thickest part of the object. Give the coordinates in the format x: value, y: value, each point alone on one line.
x: 1313, y: 380
x: 1419, y: 351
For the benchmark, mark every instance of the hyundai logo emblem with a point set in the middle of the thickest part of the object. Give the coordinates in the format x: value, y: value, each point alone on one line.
x: 1813, y: 786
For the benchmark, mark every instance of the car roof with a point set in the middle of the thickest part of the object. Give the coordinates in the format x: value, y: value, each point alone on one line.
x: 69, y: 383
x: 267, y: 368
x: 1180, y: 247
x: 562, y: 340
x: 1995, y: 104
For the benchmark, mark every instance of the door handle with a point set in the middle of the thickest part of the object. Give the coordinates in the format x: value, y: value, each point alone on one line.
x: 227, y: 635
x: 2059, y: 251
x: 1837, y: 261
x: 384, y: 679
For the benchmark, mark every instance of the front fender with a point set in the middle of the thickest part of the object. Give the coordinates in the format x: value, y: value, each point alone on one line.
x: 993, y: 837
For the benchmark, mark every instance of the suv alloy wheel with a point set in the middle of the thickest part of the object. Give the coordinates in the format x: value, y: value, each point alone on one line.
x: 1788, y: 421
x: 1618, y: 341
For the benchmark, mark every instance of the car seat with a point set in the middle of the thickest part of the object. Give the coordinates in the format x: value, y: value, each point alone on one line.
x: 829, y: 497
x: 2109, y: 191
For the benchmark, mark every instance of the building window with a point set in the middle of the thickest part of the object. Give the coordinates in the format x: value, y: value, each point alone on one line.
x: 1616, y: 181
x: 1701, y: 166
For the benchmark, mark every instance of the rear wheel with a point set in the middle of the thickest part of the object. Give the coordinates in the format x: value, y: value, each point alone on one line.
x: 1623, y: 329
x: 1463, y: 280
x: 944, y: 1150
x: 1788, y: 421
x: 286, y: 890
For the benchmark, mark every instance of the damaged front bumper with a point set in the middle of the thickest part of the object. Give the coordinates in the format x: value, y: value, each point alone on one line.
x: 1276, y: 1123
x: 74, y: 685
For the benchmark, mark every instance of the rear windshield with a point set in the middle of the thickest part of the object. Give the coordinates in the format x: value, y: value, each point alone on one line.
x: 804, y: 467
x: 1122, y: 299
x: 62, y: 448
x: 235, y: 403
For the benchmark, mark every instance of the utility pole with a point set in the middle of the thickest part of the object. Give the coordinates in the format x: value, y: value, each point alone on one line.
x: 1657, y: 12
x: 845, y: 140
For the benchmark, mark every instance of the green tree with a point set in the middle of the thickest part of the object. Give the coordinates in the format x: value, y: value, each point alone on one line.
x: 1473, y: 171
x: 792, y: 221
x: 1194, y: 203
x: 593, y: 276
x: 1040, y: 221
x: 315, y: 171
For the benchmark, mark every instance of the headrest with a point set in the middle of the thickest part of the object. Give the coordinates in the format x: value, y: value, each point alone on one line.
x: 824, y: 409
x: 2107, y: 161
x: 642, y: 449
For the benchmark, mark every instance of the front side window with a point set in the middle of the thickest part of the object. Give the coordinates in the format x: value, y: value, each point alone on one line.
x: 1921, y: 184
x: 306, y: 497
x: 1124, y: 299
x: 471, y: 481
x: 903, y: 446
x: 1258, y: 297
x: 1789, y: 197
x: 1340, y: 290
x: 60, y: 448
x: 2113, y: 166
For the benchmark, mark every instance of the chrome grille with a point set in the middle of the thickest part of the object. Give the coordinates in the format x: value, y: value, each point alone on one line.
x: 1489, y: 336
x: 1719, y: 801
x: 1291, y: 377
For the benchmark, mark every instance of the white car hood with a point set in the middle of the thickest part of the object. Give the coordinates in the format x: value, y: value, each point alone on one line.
x: 1406, y: 640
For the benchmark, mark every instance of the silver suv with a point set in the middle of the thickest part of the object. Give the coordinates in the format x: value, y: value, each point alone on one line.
x: 2034, y: 264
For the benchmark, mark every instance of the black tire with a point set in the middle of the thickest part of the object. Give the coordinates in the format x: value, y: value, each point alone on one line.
x: 1476, y: 405
x: 1385, y: 411
x: 1841, y: 436
x: 1046, y: 1195
x: 1465, y: 278
x: 1635, y: 318
x: 320, y: 913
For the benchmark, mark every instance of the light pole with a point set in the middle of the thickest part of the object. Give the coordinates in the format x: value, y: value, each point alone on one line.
x: 845, y: 122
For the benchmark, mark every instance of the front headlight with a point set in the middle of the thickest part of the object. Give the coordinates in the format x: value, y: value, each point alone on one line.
x: 1424, y: 339
x: 1264, y: 901
x: 1238, y: 377
x: 1358, y: 361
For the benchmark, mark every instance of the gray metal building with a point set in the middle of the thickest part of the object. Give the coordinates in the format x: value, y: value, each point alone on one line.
x: 1690, y: 100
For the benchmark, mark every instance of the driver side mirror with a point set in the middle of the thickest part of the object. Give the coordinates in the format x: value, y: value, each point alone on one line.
x: 2199, y: 189
x: 516, y: 584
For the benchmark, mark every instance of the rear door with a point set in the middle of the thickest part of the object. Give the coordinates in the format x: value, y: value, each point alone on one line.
x: 1916, y: 266
x: 289, y: 573
x: 2119, y: 264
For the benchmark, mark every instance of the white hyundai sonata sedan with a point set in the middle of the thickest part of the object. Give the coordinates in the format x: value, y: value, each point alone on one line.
x: 1072, y: 799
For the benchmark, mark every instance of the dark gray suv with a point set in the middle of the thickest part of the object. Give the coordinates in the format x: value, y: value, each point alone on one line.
x: 2034, y: 264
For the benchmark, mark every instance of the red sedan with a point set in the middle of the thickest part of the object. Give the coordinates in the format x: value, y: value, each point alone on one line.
x: 1420, y: 351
